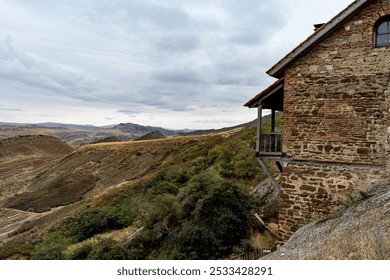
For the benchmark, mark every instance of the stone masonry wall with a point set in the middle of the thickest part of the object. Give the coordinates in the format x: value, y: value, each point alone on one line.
x: 310, y: 192
x: 336, y: 108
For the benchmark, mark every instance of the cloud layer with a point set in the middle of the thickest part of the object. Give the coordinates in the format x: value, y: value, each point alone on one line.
x: 146, y: 61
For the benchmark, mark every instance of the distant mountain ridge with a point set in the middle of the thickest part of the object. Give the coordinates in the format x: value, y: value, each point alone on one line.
x: 136, y: 128
x: 125, y: 127
x: 79, y: 135
x: 73, y: 126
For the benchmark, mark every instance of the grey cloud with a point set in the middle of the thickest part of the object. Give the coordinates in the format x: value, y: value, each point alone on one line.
x: 248, y: 38
x: 140, y: 13
x: 179, y: 76
x: 20, y: 67
x: 178, y: 43
x: 132, y: 54
x: 11, y: 109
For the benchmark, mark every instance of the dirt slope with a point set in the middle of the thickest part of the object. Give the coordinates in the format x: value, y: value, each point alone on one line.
x: 92, y: 169
x: 11, y: 219
x: 24, y: 157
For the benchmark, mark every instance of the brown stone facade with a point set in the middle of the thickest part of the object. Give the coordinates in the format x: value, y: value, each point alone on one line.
x: 336, y: 128
x: 311, y: 191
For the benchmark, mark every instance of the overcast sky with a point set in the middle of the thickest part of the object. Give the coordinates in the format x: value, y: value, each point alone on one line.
x: 171, y: 63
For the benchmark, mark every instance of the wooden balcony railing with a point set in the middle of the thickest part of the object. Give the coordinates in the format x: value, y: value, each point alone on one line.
x: 269, y: 144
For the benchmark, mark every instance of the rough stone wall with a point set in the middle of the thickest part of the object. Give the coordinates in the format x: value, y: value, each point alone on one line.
x: 336, y: 108
x: 311, y: 191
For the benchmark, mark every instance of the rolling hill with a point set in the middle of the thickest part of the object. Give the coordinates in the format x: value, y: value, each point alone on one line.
x: 181, y: 197
x: 92, y: 169
x: 125, y: 180
x: 22, y: 158
x: 79, y: 135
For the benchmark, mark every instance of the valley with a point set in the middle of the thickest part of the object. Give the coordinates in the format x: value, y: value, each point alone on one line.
x: 163, y: 197
x: 47, y: 186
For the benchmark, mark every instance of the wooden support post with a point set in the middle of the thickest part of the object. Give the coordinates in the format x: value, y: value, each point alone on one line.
x: 279, y: 165
x: 270, y: 176
x: 259, y: 123
x: 273, y: 121
x: 268, y: 228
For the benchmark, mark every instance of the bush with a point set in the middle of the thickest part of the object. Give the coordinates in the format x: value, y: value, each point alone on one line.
x: 220, y: 219
x: 154, y: 180
x: 143, y: 244
x: 198, y: 187
x: 108, y: 249
x: 101, y: 249
x: 162, y: 209
x: 194, y: 242
x: 121, y: 216
x: 94, y: 221
x: 245, y: 166
x: 200, y: 164
x: 52, y: 247
x: 163, y: 187
x: 81, y: 253
x: 180, y: 177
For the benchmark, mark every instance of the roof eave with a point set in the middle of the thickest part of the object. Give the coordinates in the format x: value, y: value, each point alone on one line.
x: 278, y: 69
x: 253, y: 103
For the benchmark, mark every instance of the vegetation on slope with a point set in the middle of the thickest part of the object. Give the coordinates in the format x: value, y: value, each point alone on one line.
x: 195, y: 206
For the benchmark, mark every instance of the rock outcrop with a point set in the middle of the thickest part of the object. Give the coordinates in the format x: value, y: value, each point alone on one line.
x: 268, y: 199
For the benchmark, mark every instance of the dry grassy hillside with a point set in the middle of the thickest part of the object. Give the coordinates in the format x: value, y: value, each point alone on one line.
x: 41, y: 174
x: 77, y: 136
x: 92, y: 169
x: 135, y: 183
x: 22, y: 158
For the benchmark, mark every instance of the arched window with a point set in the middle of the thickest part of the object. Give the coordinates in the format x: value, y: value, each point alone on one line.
x: 382, y: 32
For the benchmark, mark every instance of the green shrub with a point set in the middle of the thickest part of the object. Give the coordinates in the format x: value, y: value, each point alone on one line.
x: 52, y: 247
x: 200, y: 164
x: 245, y: 166
x: 108, y: 249
x: 180, y: 177
x: 94, y: 221
x: 154, y: 180
x: 102, y: 249
x: 163, y: 187
x: 143, y: 244
x: 194, y: 242
x: 162, y: 209
x: 122, y: 215
x: 219, y: 219
x: 198, y: 186
x: 81, y: 253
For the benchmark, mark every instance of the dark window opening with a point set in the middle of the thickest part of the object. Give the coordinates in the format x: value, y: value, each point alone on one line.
x: 382, y: 34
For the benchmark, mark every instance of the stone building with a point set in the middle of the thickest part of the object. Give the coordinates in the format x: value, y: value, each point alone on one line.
x: 334, y: 92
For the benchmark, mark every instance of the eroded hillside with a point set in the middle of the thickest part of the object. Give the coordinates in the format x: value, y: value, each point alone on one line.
x: 92, y: 169
x: 146, y: 198
x: 22, y: 158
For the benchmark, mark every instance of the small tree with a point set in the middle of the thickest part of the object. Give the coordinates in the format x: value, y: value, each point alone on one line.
x: 218, y: 218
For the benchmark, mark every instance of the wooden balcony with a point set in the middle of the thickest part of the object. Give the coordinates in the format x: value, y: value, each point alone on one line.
x: 269, y: 145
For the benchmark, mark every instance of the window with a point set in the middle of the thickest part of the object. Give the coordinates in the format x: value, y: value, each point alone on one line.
x: 382, y: 33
